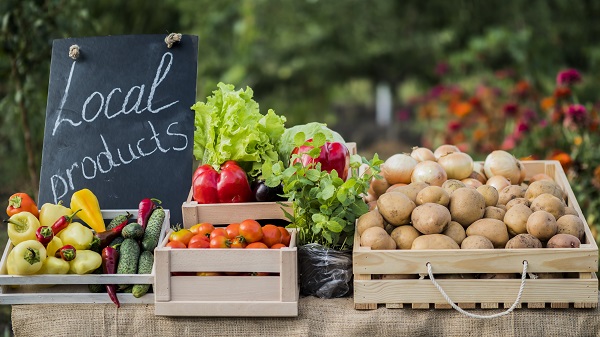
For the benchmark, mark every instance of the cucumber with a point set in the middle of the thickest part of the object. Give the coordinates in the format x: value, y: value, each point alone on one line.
x: 144, y: 267
x: 117, y: 220
x: 97, y: 288
x: 153, y: 228
x: 129, y: 254
x: 133, y: 231
x: 116, y: 243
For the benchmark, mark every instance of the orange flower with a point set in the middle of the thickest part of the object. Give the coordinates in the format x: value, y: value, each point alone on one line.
x: 547, y: 103
x: 564, y: 159
x: 522, y: 88
x: 562, y: 92
x: 479, y: 134
x: 460, y: 109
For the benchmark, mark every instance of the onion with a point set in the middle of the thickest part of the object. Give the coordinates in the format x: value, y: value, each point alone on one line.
x: 379, y: 186
x: 471, y: 182
x: 502, y: 163
x: 398, y: 168
x: 430, y: 172
x: 499, y: 182
x: 422, y: 154
x: 444, y: 149
x: 458, y: 165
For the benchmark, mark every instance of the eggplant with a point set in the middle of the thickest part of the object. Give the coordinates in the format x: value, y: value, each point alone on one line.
x: 263, y: 192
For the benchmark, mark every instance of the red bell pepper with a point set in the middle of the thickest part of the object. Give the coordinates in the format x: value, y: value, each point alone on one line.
x: 334, y: 156
x: 230, y: 184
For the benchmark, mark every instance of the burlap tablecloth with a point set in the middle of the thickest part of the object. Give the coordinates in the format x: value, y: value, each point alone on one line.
x: 317, y: 317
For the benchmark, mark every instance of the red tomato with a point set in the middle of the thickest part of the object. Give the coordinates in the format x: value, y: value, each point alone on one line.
x: 271, y: 235
x: 183, y: 235
x: 257, y: 245
x: 278, y: 246
x: 220, y: 241
x: 233, y: 230
x: 238, y: 242
x: 251, y: 230
x: 198, y: 227
x: 176, y: 244
x: 199, y: 241
x: 218, y: 232
x: 285, y: 236
x: 205, y: 229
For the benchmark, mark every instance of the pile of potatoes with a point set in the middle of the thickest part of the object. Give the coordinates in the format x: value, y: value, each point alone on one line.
x: 459, y: 215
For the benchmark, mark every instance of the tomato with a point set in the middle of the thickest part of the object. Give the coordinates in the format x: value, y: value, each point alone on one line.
x: 220, y: 231
x: 199, y: 241
x: 176, y: 244
x: 204, y: 228
x: 208, y: 273
x: 233, y: 230
x: 183, y: 235
x: 257, y: 245
x: 271, y: 235
x: 285, y: 236
x: 238, y: 242
x: 220, y: 241
x: 251, y: 231
x: 278, y: 246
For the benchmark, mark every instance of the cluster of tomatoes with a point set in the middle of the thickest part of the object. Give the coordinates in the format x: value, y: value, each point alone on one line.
x: 246, y: 234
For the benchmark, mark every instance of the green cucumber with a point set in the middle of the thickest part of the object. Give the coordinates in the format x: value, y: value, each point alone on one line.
x: 129, y: 255
x: 144, y: 267
x: 97, y: 288
x: 116, y: 243
x: 118, y: 220
x: 153, y: 229
x: 133, y: 231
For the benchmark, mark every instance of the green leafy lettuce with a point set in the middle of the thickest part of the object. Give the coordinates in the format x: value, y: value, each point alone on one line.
x: 286, y: 145
x: 229, y: 126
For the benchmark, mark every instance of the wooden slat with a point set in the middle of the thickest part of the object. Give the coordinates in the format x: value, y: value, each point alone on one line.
x: 364, y: 305
x: 64, y: 294
x: 225, y: 260
x: 226, y: 213
x: 162, y: 284
x: 288, y: 280
x: 225, y: 288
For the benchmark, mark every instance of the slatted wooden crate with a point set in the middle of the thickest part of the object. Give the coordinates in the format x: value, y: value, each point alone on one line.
x: 374, y: 271
x: 71, y: 288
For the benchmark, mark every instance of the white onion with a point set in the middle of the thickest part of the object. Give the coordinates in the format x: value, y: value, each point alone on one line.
x: 430, y: 172
x: 422, y: 154
x: 458, y: 165
x: 502, y: 163
x: 471, y: 182
x: 398, y: 168
x: 499, y: 182
x: 444, y: 149
x: 478, y: 176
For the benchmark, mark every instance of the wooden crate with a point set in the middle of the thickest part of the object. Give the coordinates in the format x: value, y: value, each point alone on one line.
x: 373, y: 271
x: 192, y: 211
x: 71, y: 288
x: 258, y: 296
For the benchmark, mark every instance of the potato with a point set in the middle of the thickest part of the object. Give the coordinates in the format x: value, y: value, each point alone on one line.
x: 563, y: 241
x: 466, y: 206
x: 550, y: 275
x: 430, y: 218
x: 370, y: 219
x: 515, y: 201
x: 544, y: 186
x: 455, y: 231
x: 542, y: 225
x: 498, y: 276
x: 509, y: 193
x: 379, y: 186
x: 476, y: 242
x: 411, y: 190
x: 434, y: 241
x: 502, y: 207
x: 404, y: 236
x: 471, y: 182
x: 524, y: 241
x: 571, y: 210
x: 571, y: 224
x: 540, y: 176
x: 398, y: 276
x: 395, y: 207
x: 389, y: 228
x: 493, y: 229
x: 452, y: 185
x: 372, y: 205
x: 490, y: 194
x: 376, y: 238
x: 516, y: 219
x: 493, y: 212
x: 549, y: 203
x: 434, y: 194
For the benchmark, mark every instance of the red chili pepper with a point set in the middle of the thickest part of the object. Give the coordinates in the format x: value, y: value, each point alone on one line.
x: 62, y: 222
x: 333, y: 156
x: 229, y: 185
x: 66, y: 253
x: 44, y: 235
x: 145, y: 208
x: 110, y: 259
x: 109, y: 235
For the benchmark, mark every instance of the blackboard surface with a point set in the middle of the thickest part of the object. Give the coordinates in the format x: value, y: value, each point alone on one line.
x: 118, y: 121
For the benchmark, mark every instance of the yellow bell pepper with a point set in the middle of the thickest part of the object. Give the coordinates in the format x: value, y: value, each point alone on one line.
x: 54, y: 265
x: 22, y: 227
x: 90, y: 209
x: 76, y: 235
x: 49, y: 213
x: 53, y: 246
x: 26, y: 258
x: 85, y: 262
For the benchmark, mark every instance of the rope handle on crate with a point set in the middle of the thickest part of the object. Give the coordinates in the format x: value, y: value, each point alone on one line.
x: 459, y: 309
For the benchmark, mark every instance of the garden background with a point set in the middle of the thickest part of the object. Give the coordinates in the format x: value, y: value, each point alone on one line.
x: 516, y: 75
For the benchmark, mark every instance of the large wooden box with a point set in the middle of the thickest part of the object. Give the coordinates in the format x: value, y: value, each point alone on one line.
x: 71, y: 288
x: 259, y: 296
x: 377, y: 273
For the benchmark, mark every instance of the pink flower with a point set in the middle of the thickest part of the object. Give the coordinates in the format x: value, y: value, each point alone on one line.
x: 509, y: 143
x: 521, y: 127
x: 576, y: 114
x: 442, y: 68
x: 568, y: 77
x: 454, y: 126
x: 510, y: 109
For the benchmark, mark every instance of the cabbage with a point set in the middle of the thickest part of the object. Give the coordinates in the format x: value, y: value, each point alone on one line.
x: 286, y: 144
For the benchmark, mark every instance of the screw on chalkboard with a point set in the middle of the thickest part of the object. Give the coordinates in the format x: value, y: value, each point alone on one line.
x: 172, y: 38
x: 74, y: 52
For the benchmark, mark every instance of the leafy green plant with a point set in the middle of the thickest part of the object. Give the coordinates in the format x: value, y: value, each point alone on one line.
x: 325, y: 207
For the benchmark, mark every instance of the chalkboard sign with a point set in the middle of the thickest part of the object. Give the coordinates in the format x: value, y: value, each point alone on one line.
x: 118, y: 121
